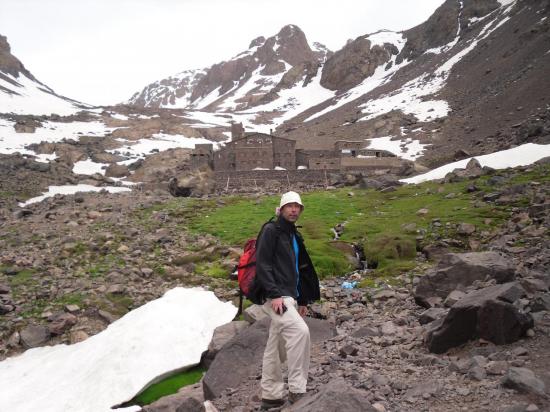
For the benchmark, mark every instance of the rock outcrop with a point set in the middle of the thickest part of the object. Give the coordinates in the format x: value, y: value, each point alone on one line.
x: 455, y: 271
x: 487, y: 313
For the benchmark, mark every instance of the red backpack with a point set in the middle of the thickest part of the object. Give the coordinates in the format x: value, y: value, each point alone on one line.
x: 246, y: 272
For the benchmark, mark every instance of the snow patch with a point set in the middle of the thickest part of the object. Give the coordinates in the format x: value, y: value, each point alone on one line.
x: 89, y: 167
x: 159, y: 142
x: 31, y: 97
x: 71, y: 190
x: 51, y: 132
x: 386, y: 36
x: 411, y: 98
x: 522, y: 155
x: 405, y: 148
x: 111, y: 367
x: 379, y: 77
x: 297, y: 99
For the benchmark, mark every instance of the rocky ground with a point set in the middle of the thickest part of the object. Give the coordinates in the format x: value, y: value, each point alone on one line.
x: 82, y: 261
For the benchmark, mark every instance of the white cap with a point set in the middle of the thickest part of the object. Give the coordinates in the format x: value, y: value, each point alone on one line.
x: 290, y: 197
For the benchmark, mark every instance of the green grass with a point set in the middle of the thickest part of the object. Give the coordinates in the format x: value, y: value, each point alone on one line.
x: 213, y: 269
x: 168, y: 386
x: 373, y: 219
x: 71, y: 299
x: 23, y: 278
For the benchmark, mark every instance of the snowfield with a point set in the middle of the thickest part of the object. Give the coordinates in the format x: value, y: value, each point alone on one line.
x: 51, y: 132
x: 30, y: 97
x: 164, y: 335
x: 518, y: 156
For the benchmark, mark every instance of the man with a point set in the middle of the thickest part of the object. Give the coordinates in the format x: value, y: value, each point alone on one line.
x: 288, y: 281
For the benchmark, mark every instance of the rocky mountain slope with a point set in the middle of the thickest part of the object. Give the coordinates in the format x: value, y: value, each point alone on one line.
x: 472, y: 77
x: 249, y: 79
x: 21, y: 92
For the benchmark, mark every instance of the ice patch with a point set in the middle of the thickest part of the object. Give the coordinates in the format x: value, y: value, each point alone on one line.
x: 164, y: 335
x: 522, y: 155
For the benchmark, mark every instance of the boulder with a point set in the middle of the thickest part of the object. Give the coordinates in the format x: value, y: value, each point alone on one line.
x: 459, y: 270
x: 431, y: 314
x: 487, y: 313
x: 188, y: 398
x: 195, y: 183
x: 222, y: 335
x: 116, y: 170
x: 243, y: 355
x: 62, y: 322
x: 523, y: 380
x: 337, y: 395
x: 33, y: 336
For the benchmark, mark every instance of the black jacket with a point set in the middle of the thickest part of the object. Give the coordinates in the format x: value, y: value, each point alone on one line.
x: 276, y: 265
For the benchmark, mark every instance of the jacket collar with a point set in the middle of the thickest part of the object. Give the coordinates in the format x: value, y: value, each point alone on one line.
x: 285, y: 225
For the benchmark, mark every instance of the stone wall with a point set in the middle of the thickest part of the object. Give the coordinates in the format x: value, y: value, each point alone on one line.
x: 372, y: 163
x: 271, y: 179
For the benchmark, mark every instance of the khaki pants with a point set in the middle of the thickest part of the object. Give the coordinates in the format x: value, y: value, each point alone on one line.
x: 288, y: 340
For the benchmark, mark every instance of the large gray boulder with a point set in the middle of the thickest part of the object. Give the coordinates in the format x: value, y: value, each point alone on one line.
x: 222, y: 335
x: 33, y: 336
x: 456, y: 271
x: 241, y: 357
x: 523, y: 380
x: 337, y: 395
x: 487, y: 313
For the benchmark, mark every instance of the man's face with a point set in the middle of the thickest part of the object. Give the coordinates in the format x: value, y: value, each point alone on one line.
x: 291, y: 212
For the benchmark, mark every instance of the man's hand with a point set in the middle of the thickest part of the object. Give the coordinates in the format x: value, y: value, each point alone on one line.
x: 277, y: 305
x: 302, y: 310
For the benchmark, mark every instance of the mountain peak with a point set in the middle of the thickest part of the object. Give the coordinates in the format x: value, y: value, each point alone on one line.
x: 9, y: 63
x: 257, y: 42
x: 290, y: 30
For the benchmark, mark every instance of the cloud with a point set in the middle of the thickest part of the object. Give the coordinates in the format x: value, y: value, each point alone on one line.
x: 102, y: 51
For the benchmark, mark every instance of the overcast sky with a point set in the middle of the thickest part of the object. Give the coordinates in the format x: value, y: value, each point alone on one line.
x: 103, y: 51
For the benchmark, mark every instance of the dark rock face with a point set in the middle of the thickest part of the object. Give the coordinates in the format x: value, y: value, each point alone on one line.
x: 337, y: 395
x: 442, y: 26
x: 486, y: 313
x: 243, y: 354
x: 222, y: 335
x: 353, y: 63
x: 9, y: 63
x: 460, y: 270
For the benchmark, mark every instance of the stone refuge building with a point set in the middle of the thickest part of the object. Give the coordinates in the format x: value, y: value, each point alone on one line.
x: 260, y: 151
